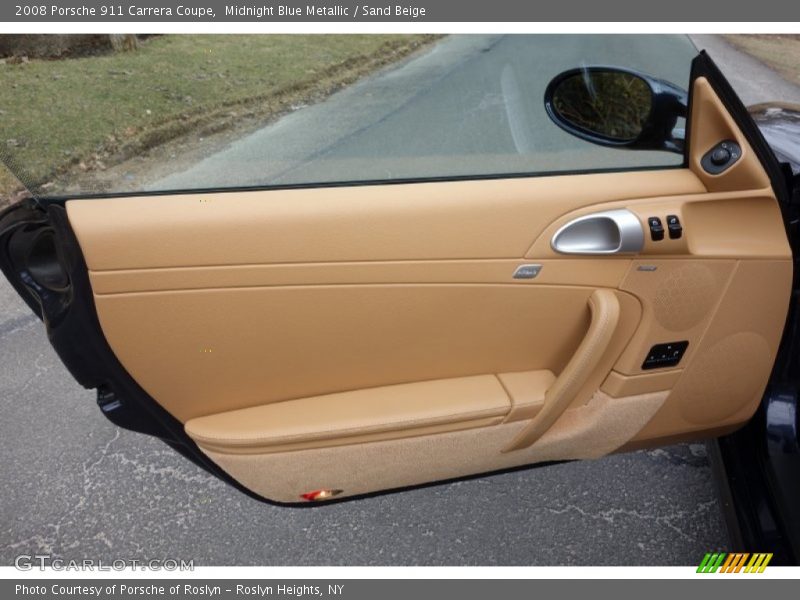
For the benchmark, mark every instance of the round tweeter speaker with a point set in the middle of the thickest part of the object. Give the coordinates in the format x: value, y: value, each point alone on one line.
x: 685, y: 296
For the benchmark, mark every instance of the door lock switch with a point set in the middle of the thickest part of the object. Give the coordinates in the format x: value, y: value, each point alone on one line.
x: 721, y: 157
x: 656, y: 229
x: 674, y: 227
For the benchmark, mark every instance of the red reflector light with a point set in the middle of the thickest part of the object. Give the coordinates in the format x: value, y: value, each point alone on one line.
x: 320, y: 495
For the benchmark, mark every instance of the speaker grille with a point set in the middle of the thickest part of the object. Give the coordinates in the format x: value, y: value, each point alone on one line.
x: 725, y: 378
x: 685, y: 297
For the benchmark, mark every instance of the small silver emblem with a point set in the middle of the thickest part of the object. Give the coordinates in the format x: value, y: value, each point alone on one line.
x: 527, y: 271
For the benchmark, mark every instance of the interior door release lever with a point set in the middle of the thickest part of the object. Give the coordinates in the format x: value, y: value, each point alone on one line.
x: 609, y: 232
x: 604, y: 307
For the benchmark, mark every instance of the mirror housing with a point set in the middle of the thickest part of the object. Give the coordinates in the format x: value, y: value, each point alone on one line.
x: 649, y: 126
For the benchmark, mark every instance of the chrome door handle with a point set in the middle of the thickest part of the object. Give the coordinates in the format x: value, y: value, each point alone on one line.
x: 608, y: 232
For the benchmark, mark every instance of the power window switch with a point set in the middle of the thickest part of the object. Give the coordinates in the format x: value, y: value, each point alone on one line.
x: 656, y: 229
x: 674, y: 227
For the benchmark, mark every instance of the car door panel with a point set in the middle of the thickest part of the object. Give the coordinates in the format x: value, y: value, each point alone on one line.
x: 279, y: 343
x: 352, y: 339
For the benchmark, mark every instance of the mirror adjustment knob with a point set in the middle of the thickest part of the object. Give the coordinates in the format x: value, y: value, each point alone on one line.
x: 720, y: 156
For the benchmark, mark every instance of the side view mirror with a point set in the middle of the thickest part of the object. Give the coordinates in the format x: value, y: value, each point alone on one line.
x: 618, y: 107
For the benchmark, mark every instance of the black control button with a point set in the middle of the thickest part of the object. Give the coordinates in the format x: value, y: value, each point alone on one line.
x: 674, y: 227
x: 720, y: 156
x: 665, y: 355
x: 656, y: 228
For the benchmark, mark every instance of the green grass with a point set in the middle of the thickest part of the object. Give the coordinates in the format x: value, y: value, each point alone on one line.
x: 93, y: 111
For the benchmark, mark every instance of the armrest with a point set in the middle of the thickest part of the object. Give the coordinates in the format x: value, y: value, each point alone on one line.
x: 605, y: 311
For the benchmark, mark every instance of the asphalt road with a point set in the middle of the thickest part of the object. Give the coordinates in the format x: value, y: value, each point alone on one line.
x: 77, y: 487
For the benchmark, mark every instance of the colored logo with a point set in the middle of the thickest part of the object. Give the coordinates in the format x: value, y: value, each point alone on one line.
x: 734, y: 563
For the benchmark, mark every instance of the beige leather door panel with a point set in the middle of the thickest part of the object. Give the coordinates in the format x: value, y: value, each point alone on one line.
x: 202, y: 352
x: 364, y: 338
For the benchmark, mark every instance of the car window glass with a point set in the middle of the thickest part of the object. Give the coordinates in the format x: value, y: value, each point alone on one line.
x: 193, y: 112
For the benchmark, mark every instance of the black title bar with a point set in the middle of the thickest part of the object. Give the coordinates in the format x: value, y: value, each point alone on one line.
x: 119, y: 11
